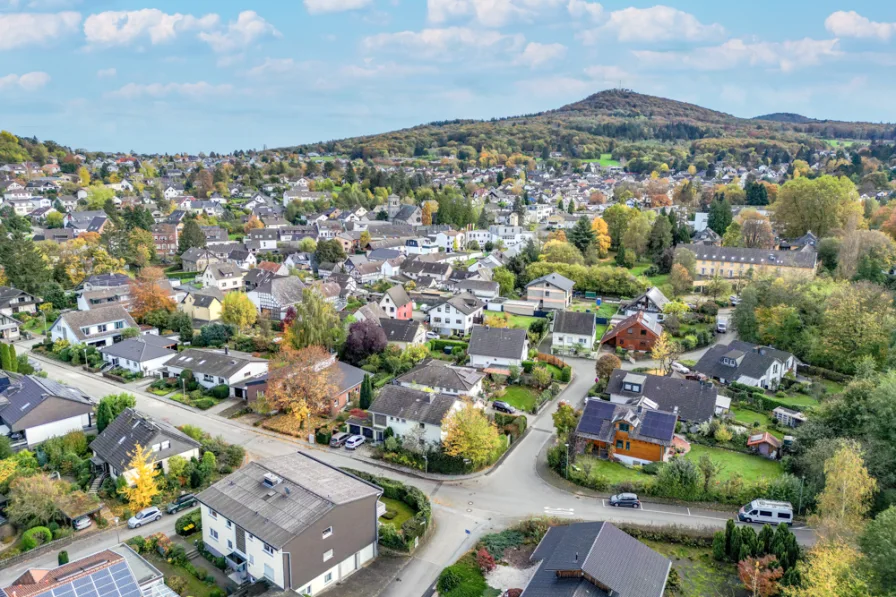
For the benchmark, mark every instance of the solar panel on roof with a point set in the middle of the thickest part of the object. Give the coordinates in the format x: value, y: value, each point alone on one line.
x: 116, y: 581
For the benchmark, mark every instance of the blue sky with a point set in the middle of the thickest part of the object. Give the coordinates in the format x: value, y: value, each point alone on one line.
x: 233, y: 74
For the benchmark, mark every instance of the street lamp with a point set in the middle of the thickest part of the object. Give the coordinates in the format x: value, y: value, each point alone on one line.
x: 425, y: 463
x: 86, y: 364
x: 800, y: 507
x: 567, y: 461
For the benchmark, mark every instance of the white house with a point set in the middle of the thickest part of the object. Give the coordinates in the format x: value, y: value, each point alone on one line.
x: 480, y: 237
x: 216, y: 367
x: 413, y: 412
x: 749, y: 364
x: 98, y: 327
x: 456, y: 315
x: 498, y: 347
x: 439, y: 376
x: 573, y: 331
x: 223, y: 276
x: 144, y: 354
x: 292, y: 520
x: 34, y: 409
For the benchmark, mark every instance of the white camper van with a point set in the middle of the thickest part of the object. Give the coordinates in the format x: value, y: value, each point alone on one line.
x: 766, y: 512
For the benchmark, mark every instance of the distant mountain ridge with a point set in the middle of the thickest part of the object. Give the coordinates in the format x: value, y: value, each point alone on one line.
x: 786, y: 117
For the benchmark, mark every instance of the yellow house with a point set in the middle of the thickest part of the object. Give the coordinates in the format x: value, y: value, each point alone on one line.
x: 202, y: 306
x: 739, y: 262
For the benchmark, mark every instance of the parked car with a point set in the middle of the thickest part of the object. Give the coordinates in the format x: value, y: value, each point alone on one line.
x: 766, y: 512
x: 187, y: 500
x: 432, y: 336
x: 339, y: 439
x: 503, y: 407
x: 35, y: 364
x: 734, y: 300
x: 625, y: 500
x: 679, y: 368
x: 353, y: 442
x: 81, y: 523
x: 144, y: 516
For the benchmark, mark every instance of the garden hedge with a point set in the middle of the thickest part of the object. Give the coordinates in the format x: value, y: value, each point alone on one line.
x: 439, y: 345
x: 36, y: 536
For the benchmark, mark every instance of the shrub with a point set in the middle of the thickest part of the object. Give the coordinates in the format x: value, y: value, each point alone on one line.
x: 323, y: 437
x: 62, y: 558
x: 527, y: 366
x: 485, y: 561
x: 188, y: 523
x: 204, y: 403
x: 220, y: 392
x: 177, y: 584
x: 496, y: 543
x: 449, y: 579
x: 389, y: 515
x: 36, y: 536
x: 566, y: 374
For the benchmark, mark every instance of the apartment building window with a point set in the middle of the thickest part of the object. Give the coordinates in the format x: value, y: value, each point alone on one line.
x: 268, y: 549
x: 229, y: 524
x: 328, y: 555
x: 327, y: 532
x: 213, y: 534
x: 328, y: 578
x: 213, y: 514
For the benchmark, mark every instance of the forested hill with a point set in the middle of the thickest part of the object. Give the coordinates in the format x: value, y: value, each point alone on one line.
x: 596, y: 124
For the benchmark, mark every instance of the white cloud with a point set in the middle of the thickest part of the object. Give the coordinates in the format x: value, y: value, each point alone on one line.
x: 556, y: 87
x: 25, y: 29
x: 536, y: 54
x: 106, y: 73
x: 28, y: 82
x: 852, y: 24
x: 160, y: 90
x: 490, y: 13
x: 659, y: 23
x: 323, y: 6
x: 390, y: 70
x: 443, y: 43
x: 272, y: 66
x: 734, y: 53
x: 581, y: 8
x: 248, y: 28
x: 609, y: 74
x: 121, y: 28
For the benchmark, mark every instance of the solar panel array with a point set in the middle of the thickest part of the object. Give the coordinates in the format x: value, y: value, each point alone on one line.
x: 658, y: 425
x: 115, y: 581
x: 596, y: 412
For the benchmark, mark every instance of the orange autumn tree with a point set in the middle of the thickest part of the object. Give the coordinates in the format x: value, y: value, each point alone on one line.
x: 253, y: 224
x: 301, y: 382
x: 149, y: 292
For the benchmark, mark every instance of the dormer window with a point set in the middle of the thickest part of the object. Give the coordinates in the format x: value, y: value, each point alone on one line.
x: 632, y: 387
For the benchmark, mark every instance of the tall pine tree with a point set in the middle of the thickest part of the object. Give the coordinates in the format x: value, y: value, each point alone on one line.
x: 191, y: 236
x: 366, y: 391
x: 720, y: 215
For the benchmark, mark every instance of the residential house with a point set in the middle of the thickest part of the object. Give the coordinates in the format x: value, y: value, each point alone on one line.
x: 292, y: 520
x: 215, y: 235
x: 165, y: 238
x: 652, y: 301
x: 415, y: 269
x: 14, y: 301
x: 693, y: 401
x: 456, y: 315
x: 242, y: 257
x: 114, y: 447
x: 225, y: 277
x: 573, y: 331
x: 370, y: 312
x: 410, y: 215
x: 203, y: 306
x: 278, y: 269
x: 275, y: 296
x: 396, y: 303
x: 438, y: 376
x: 596, y: 559
x: 498, y: 347
x: 215, y: 367
x: 550, y: 292
x: 98, y: 327
x: 638, y: 332
x: 765, y: 444
x: 632, y: 435
x: 368, y: 272
x: 34, y: 409
x: 402, y: 332
x: 255, y: 278
x: 144, y: 354
x: 104, y: 297
x: 749, y: 364
x: 420, y: 246
x: 789, y: 417
x: 484, y: 290
x: 409, y: 412
x: 197, y: 259
x: 741, y: 262
x: 10, y: 328
x: 706, y: 237
x: 104, y: 281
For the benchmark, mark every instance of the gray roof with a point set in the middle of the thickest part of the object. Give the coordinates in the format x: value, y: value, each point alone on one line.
x: 497, y: 342
x: 220, y: 271
x: 653, y: 295
x: 30, y: 401
x: 78, y: 319
x: 696, y: 401
x: 194, y: 254
x: 345, y: 377
x: 399, y: 330
x: 438, y: 374
x: 141, y: 349
x: 752, y: 360
x: 116, y: 444
x: 372, y: 311
x: 571, y: 322
x: 555, y: 280
x: 212, y: 362
x: 286, y: 291
x: 7, y: 293
x: 398, y: 295
x: 757, y: 257
x: 482, y: 285
x: 465, y: 303
x: 414, y: 405
x: 309, y: 489
x: 619, y: 562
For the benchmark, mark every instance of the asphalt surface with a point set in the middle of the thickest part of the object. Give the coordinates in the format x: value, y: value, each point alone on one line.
x: 463, y: 511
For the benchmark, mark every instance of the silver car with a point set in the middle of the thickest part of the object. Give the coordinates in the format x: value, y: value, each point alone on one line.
x: 144, y: 516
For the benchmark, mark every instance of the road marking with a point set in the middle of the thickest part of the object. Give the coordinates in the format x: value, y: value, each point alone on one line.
x: 558, y: 511
x: 689, y: 511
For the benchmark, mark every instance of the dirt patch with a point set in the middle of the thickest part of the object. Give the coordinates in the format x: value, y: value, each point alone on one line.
x: 508, y: 577
x: 518, y: 557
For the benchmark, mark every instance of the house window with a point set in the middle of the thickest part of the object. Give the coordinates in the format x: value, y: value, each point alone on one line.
x: 213, y: 514
x: 327, y: 532
x: 229, y: 524
x: 328, y: 555
x: 328, y: 577
x: 631, y: 330
x: 119, y: 325
x: 628, y: 446
x: 619, y: 444
x: 624, y: 427
x: 229, y: 544
x: 643, y: 332
x: 166, y: 444
x: 268, y: 549
x: 213, y: 534
x: 156, y: 447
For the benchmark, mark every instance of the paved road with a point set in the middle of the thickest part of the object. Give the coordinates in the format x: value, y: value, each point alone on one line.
x: 463, y: 511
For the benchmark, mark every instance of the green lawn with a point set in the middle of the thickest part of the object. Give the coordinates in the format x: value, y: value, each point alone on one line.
x: 519, y: 397
x: 832, y: 387
x: 606, y: 159
x: 555, y: 370
x: 163, y: 392
x: 641, y: 270
x: 798, y: 400
x: 36, y: 325
x: 402, y: 512
x: 600, y: 330
x: 521, y: 321
x: 613, y: 471
x: 701, y: 575
x: 605, y: 310
x: 746, y: 418
x: 749, y: 467
x: 195, y: 587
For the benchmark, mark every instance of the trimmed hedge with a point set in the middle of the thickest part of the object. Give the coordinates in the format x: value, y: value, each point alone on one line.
x: 439, y: 345
x: 323, y: 437
x: 36, y: 536
x: 188, y: 523
x: 825, y: 373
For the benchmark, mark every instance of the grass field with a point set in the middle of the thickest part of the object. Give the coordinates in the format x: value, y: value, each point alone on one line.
x: 749, y: 467
x: 599, y: 331
x: 521, y: 321
x: 606, y: 159
x: 36, y: 325
x: 641, y: 270
x: 746, y: 418
x: 519, y: 397
x: 402, y: 512
x: 701, y: 575
x: 799, y: 400
x: 605, y: 310
x: 835, y: 143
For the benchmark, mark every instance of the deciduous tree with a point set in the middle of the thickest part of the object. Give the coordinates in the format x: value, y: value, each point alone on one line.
x: 364, y: 339
x: 831, y: 569
x: 143, y: 473
x: 191, y: 236
x: 469, y: 434
x: 760, y: 576
x: 665, y: 350
x: 816, y: 205
x: 848, y: 491
x: 150, y: 292
x: 560, y: 252
x: 316, y: 323
x: 605, y: 365
x: 602, y: 238
x: 878, y: 543
x: 111, y: 406
x: 34, y: 501
x: 238, y: 310
x: 505, y: 279
x: 252, y: 224
x: 301, y: 382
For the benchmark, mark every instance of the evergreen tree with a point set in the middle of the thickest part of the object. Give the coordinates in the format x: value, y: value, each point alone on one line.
x: 4, y: 356
x: 104, y: 415
x: 484, y: 221
x: 581, y: 234
x: 571, y: 208
x: 660, y: 238
x: 720, y: 215
x: 350, y: 176
x: 13, y: 360
x: 757, y: 194
x: 366, y: 391
x: 191, y: 236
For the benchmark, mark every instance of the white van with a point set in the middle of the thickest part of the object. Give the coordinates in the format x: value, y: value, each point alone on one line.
x: 766, y: 512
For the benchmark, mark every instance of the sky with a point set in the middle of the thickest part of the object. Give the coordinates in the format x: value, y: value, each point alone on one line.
x: 167, y: 76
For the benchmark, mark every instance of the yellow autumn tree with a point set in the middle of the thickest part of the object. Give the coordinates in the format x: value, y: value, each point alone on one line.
x: 602, y: 238
x: 429, y: 208
x: 8, y: 468
x: 844, y: 503
x: 253, y: 224
x: 831, y: 569
x: 144, y: 475
x: 665, y: 350
x: 470, y: 434
x: 238, y: 310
